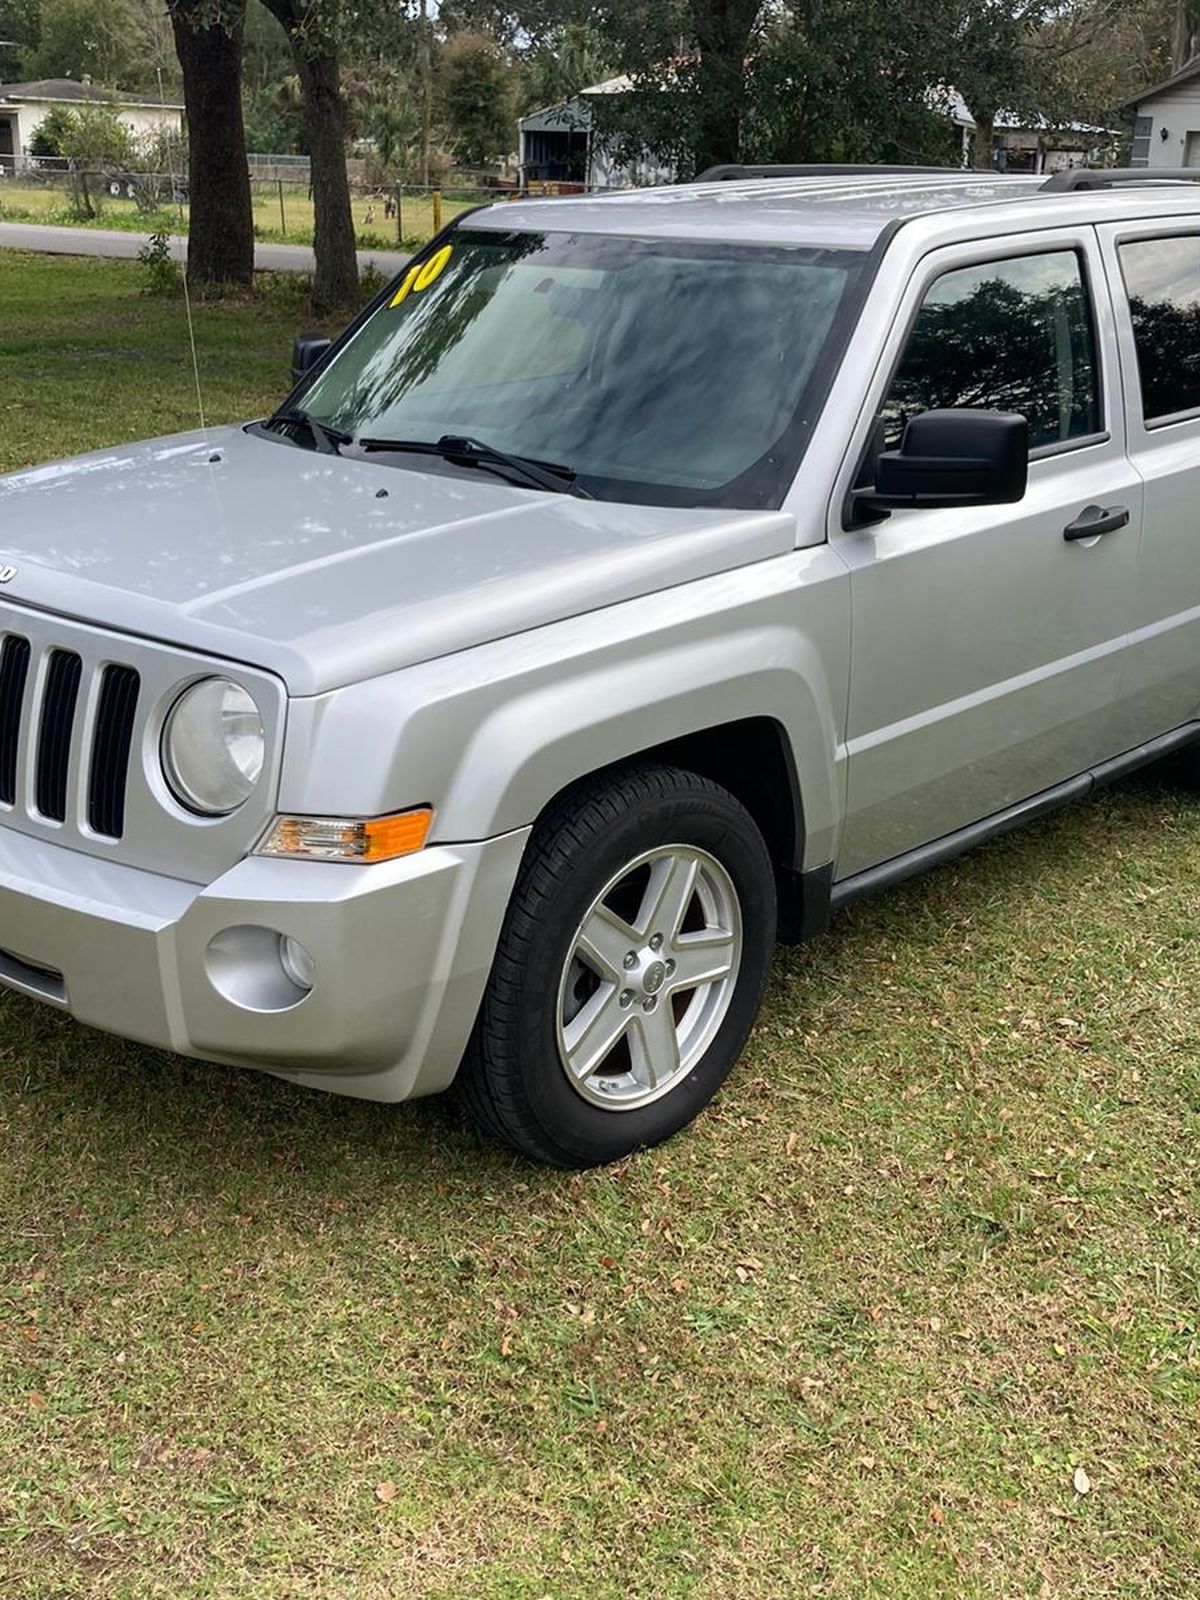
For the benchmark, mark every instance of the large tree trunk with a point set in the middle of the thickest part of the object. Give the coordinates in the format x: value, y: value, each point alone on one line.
x: 335, y: 284
x: 722, y: 30
x: 1182, y: 35
x: 981, y: 143
x: 221, y: 232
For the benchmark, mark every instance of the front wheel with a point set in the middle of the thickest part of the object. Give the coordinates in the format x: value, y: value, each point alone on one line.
x: 630, y: 969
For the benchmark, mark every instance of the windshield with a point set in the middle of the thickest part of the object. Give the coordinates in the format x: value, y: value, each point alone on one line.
x: 677, y: 373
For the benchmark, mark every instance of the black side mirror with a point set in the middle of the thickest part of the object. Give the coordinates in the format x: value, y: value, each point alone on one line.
x: 307, y: 350
x: 953, y: 458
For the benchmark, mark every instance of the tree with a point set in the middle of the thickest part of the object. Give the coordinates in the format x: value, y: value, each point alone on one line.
x: 80, y: 38
x: 97, y: 144
x: 810, y: 100
x: 312, y: 28
x: 567, y: 60
x: 393, y: 125
x: 208, y: 40
x: 476, y: 99
x: 51, y: 131
x: 271, y: 100
x: 19, y: 27
x: 687, y: 60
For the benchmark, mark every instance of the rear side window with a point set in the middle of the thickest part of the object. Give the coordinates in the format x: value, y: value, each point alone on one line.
x: 1012, y: 335
x: 1162, y: 279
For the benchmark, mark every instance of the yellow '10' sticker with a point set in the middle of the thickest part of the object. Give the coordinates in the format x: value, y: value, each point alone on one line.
x: 422, y: 275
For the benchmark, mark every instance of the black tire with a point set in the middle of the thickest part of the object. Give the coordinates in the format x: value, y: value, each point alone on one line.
x: 512, y: 1080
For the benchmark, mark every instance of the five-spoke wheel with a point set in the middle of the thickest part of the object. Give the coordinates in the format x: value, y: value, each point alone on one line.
x: 630, y: 969
x: 649, y: 976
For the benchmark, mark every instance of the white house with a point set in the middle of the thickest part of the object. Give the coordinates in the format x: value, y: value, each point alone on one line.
x: 1166, y: 120
x: 24, y: 106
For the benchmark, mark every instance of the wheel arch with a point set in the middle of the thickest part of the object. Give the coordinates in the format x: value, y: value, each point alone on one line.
x: 753, y: 759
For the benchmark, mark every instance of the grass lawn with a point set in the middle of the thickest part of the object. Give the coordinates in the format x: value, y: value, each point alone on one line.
x: 291, y: 224
x: 934, y: 1250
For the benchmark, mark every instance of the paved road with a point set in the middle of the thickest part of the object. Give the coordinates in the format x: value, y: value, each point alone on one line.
x: 113, y: 242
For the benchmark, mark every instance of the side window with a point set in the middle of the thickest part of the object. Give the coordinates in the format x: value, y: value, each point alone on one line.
x: 1012, y: 335
x: 1162, y: 280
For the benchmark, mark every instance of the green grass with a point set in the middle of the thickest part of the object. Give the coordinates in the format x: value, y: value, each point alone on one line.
x: 935, y: 1247
x: 86, y: 359
x: 50, y: 204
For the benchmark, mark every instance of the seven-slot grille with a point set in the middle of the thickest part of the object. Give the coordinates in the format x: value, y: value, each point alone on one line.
x: 42, y: 762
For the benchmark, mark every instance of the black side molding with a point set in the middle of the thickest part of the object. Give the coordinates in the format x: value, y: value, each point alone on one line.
x: 819, y: 896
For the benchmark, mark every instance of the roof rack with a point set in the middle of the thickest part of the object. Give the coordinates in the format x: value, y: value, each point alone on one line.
x: 734, y: 170
x: 1073, y: 178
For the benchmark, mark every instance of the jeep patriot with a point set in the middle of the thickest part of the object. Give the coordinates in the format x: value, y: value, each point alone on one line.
x: 639, y: 578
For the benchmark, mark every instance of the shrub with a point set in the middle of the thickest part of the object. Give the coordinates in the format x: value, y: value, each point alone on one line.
x: 160, y: 273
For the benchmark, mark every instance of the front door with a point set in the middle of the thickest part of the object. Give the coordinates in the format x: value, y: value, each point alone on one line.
x: 987, y: 646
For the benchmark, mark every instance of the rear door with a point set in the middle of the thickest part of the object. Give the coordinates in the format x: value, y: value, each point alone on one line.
x: 987, y: 646
x: 1154, y: 270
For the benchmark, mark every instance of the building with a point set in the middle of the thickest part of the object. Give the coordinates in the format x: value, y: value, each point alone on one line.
x: 24, y: 106
x: 1029, y: 144
x: 1166, y: 120
x: 559, y: 145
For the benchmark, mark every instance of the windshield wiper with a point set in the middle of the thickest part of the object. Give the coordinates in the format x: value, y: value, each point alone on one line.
x: 475, y: 453
x: 327, y: 440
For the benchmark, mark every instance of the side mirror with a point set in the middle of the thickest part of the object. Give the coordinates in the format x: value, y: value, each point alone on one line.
x: 953, y: 458
x: 307, y: 350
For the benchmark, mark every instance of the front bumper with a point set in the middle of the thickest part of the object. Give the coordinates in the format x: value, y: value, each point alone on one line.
x: 401, y: 951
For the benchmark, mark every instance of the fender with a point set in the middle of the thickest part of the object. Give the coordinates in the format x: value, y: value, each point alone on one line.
x: 490, y: 735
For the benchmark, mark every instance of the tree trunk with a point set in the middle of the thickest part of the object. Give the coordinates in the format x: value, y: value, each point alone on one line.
x: 335, y: 284
x: 722, y: 31
x: 221, y: 231
x: 981, y: 143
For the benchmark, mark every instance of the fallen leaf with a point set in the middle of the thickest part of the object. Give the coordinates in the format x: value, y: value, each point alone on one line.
x: 385, y: 1492
x: 37, y: 1402
x: 1083, y: 1484
x: 30, y: 1333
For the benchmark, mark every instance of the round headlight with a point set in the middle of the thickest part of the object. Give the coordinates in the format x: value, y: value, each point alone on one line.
x: 213, y: 747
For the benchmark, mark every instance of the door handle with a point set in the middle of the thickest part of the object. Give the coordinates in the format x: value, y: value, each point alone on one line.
x: 1095, y: 520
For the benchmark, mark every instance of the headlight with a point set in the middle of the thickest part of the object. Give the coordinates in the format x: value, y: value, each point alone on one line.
x: 213, y: 747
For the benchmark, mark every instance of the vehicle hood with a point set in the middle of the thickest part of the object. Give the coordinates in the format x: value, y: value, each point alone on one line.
x: 329, y: 570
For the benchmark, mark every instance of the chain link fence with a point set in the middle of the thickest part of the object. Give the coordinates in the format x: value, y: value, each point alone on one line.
x: 386, y: 216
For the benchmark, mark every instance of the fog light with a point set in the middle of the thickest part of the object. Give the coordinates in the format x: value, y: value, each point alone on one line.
x: 297, y: 962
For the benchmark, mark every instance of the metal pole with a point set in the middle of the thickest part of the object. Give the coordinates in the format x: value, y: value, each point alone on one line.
x: 282, y: 213
x: 399, y: 208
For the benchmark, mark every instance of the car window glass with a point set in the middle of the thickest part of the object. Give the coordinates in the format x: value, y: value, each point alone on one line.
x: 1162, y: 279
x: 1012, y: 335
x: 676, y: 372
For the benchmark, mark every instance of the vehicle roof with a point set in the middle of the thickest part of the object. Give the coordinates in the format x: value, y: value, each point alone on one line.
x: 843, y: 211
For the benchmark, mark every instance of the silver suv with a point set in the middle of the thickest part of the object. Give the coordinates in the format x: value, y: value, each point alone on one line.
x: 637, y: 579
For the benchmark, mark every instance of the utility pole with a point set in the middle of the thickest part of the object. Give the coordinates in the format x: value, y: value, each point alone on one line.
x: 426, y: 109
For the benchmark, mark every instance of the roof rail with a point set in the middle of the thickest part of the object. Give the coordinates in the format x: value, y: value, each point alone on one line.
x: 735, y: 170
x: 1072, y: 178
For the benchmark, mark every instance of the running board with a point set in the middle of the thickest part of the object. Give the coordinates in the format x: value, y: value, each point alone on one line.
x: 950, y: 845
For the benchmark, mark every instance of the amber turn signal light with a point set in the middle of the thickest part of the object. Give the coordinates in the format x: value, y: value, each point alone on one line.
x: 367, y: 839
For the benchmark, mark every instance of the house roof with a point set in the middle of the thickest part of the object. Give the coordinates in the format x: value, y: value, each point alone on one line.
x: 1189, y: 70
x: 66, y: 91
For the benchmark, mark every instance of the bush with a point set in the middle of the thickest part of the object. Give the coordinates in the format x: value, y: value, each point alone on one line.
x: 50, y: 132
x: 160, y: 273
